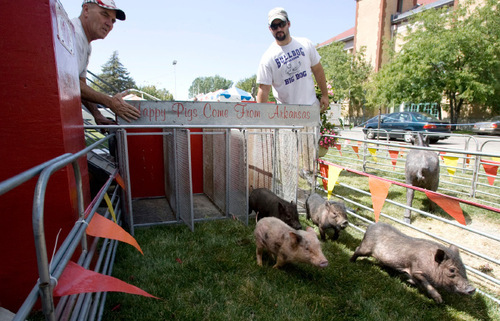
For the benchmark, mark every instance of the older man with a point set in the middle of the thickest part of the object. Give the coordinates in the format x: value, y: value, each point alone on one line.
x: 95, y: 22
x: 288, y: 65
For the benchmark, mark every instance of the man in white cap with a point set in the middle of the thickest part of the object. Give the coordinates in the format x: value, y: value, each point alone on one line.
x: 95, y: 22
x: 288, y: 66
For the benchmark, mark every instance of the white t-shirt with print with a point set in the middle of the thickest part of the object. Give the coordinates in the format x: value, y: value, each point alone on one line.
x: 288, y: 70
x: 83, y: 48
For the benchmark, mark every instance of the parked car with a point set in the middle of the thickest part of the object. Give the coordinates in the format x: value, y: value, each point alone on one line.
x: 400, y: 125
x: 490, y: 127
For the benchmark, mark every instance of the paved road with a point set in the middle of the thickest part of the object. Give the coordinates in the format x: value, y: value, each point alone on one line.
x: 488, y: 144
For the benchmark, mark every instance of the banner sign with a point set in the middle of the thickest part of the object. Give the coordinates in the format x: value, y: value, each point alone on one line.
x: 188, y: 113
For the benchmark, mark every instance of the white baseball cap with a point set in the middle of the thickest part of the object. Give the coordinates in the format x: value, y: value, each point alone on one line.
x: 108, y: 4
x: 277, y: 13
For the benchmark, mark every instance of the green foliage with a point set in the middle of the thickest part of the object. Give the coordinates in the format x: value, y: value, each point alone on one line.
x: 208, y: 84
x: 451, y: 52
x: 347, y: 73
x: 115, y: 77
x: 161, y: 94
x: 249, y: 85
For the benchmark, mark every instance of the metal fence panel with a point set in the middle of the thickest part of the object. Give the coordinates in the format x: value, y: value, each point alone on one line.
x: 185, y: 189
x: 238, y: 176
x: 170, y: 170
x: 286, y: 169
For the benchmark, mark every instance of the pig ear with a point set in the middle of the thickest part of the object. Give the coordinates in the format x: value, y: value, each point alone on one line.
x: 453, y: 248
x: 295, y: 238
x: 440, y: 256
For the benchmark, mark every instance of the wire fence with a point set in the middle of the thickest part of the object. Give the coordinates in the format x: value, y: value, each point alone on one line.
x: 463, y: 178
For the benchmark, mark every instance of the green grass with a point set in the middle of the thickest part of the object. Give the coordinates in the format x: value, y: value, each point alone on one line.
x: 211, y: 274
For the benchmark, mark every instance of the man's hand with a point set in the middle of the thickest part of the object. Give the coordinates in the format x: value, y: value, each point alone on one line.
x: 324, y: 103
x: 122, y: 109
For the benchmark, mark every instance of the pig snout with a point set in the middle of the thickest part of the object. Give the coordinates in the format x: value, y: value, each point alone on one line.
x: 344, y: 224
x: 467, y: 289
x: 324, y: 264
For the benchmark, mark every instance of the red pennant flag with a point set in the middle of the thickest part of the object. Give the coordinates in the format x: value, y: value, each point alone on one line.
x: 102, y: 227
x: 450, y: 206
x: 75, y: 279
x: 323, y: 169
x: 490, y: 169
x: 394, y: 157
x: 379, y: 190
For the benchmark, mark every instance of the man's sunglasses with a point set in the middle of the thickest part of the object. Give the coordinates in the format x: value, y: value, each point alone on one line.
x: 275, y: 26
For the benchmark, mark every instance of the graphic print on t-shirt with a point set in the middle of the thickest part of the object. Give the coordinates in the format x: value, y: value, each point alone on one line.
x: 292, y: 65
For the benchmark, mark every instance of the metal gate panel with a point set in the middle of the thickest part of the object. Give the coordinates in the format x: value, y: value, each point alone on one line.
x: 260, y: 158
x: 184, y: 184
x: 170, y: 170
x: 220, y: 154
x: 208, y: 164
x: 238, y: 176
x: 286, y: 166
x: 122, y: 149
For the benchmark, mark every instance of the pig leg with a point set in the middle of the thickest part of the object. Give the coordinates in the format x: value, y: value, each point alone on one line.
x: 420, y: 279
x: 280, y: 261
x: 361, y: 251
x: 335, y: 235
x: 322, y: 233
x: 409, y: 200
x: 259, y: 251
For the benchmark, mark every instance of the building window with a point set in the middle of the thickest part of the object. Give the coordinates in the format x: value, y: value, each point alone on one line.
x: 400, y: 6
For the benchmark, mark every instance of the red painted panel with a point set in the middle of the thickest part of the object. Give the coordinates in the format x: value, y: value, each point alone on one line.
x: 197, y: 161
x: 41, y: 119
x: 147, y: 174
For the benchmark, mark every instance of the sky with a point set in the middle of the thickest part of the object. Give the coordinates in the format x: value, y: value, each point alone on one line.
x: 206, y: 38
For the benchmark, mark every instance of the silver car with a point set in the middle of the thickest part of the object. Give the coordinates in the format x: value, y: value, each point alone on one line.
x: 490, y: 127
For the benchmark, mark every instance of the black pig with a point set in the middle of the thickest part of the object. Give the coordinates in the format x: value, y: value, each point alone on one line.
x: 428, y: 264
x: 265, y: 203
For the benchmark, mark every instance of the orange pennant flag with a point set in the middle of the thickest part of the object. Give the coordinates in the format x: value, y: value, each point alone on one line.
x: 491, y: 169
x: 379, y: 190
x: 355, y: 148
x: 450, y: 206
x: 76, y: 279
x: 120, y: 181
x: 323, y: 169
x: 394, y: 157
x: 102, y: 227
x: 339, y: 147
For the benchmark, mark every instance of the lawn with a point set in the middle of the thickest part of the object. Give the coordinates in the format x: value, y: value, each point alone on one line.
x: 211, y: 274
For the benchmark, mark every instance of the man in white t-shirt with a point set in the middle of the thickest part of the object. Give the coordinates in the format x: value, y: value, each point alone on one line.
x: 95, y: 22
x: 288, y: 66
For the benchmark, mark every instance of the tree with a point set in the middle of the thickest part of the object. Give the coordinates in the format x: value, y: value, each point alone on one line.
x: 451, y: 53
x: 115, y: 77
x: 347, y: 74
x: 249, y: 85
x: 161, y: 94
x: 204, y: 85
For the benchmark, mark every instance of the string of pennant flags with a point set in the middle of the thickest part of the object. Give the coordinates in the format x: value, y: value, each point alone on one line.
x: 379, y: 189
x: 76, y: 279
x: 490, y: 166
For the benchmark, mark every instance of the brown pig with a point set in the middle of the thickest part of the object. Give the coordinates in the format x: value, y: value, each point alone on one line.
x: 265, y: 203
x: 286, y: 244
x: 326, y: 215
x: 428, y: 264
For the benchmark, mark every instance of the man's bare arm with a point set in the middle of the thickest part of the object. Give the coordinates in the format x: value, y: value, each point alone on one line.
x: 263, y: 93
